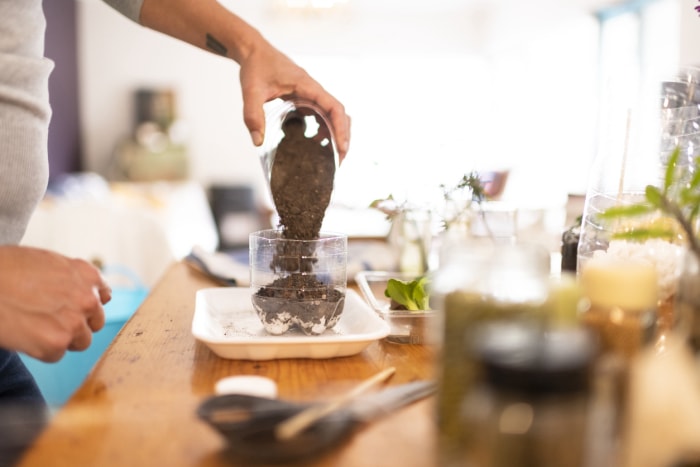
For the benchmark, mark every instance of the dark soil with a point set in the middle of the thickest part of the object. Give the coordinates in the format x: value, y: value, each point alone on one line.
x: 301, y: 182
x: 294, y: 300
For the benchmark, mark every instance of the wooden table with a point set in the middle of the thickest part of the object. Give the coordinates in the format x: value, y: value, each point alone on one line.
x: 137, y: 407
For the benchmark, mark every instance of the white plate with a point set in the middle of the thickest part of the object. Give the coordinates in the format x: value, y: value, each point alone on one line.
x: 224, y: 320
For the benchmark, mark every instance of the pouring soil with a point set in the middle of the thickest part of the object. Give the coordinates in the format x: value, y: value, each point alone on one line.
x: 301, y: 182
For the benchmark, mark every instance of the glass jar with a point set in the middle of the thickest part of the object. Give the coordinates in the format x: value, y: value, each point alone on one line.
x: 629, y: 161
x: 623, y: 298
x: 532, y: 405
x: 478, y: 281
x: 687, y: 303
x: 411, y: 235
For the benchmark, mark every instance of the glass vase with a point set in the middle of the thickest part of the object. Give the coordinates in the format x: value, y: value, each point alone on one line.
x: 629, y: 162
x: 687, y: 303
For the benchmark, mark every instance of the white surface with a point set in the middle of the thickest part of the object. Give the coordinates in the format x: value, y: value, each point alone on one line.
x: 141, y: 226
x: 224, y: 320
x: 251, y: 385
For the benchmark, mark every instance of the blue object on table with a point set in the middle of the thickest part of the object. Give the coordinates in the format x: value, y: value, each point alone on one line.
x: 59, y: 380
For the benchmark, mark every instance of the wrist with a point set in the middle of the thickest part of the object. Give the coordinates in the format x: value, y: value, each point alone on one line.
x: 243, y: 42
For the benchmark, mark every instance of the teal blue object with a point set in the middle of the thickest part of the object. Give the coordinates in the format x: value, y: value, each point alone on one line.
x: 58, y: 381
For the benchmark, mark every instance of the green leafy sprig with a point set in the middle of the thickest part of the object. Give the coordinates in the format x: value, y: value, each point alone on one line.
x: 413, y: 295
x: 678, y: 198
x: 471, y: 183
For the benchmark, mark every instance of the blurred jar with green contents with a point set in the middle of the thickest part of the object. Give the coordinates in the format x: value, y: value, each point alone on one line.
x: 479, y: 281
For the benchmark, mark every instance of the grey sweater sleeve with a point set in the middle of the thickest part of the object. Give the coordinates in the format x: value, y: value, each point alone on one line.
x: 129, y: 8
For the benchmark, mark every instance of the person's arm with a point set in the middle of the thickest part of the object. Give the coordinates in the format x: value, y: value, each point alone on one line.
x: 265, y: 73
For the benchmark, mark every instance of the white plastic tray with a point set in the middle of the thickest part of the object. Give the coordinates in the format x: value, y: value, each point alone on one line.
x: 224, y: 320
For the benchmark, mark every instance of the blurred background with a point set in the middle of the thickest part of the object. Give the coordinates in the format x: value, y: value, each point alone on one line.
x: 150, y: 158
x: 434, y: 88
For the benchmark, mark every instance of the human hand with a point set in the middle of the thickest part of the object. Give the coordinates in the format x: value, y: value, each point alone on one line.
x: 267, y: 74
x: 49, y: 303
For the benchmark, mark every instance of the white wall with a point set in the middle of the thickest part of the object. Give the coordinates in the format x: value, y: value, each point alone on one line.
x: 116, y: 56
x: 507, y: 64
x: 689, y: 34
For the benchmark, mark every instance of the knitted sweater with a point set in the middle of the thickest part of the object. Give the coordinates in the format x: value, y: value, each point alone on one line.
x: 25, y: 110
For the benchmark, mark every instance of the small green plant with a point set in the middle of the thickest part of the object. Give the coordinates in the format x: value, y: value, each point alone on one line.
x: 459, y: 207
x: 411, y: 295
x: 678, y: 199
x: 460, y: 199
x: 469, y: 189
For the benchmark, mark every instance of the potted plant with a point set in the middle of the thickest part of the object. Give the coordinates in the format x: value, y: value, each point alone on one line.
x: 670, y: 212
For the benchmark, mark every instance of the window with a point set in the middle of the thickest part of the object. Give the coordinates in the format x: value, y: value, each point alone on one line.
x: 524, y: 100
x: 639, y: 47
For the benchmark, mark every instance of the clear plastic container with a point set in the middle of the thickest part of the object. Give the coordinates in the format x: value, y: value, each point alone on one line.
x: 298, y: 283
x: 406, y: 326
x: 299, y: 160
x: 318, y: 128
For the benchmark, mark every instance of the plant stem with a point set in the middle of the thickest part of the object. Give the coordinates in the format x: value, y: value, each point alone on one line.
x: 685, y: 223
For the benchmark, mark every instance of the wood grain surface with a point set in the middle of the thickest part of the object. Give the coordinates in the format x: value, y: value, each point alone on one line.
x: 137, y: 406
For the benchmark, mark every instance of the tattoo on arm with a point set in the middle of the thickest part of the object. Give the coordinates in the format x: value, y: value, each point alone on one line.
x: 215, y: 46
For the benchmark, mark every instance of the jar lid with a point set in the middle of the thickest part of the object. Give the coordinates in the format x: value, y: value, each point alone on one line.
x: 525, y: 358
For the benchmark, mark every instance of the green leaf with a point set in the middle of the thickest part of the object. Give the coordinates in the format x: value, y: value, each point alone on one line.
x: 420, y: 294
x: 689, y: 198
x: 695, y: 181
x: 399, y: 291
x: 654, y: 196
x: 671, y: 168
x: 411, y: 294
x: 631, y: 210
x: 641, y: 235
x: 678, y: 200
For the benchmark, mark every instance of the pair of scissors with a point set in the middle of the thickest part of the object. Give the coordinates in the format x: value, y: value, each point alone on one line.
x: 248, y: 422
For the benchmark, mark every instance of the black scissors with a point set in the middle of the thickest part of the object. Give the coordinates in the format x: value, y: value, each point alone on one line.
x: 249, y: 422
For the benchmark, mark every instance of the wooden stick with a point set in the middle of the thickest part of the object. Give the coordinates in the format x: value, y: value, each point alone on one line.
x: 625, y: 150
x: 294, y: 425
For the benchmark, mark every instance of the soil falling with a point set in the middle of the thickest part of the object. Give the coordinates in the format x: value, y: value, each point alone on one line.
x: 301, y: 182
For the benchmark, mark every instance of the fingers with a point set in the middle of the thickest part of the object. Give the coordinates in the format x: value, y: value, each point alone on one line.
x: 95, y: 317
x: 254, y: 115
x: 339, y: 120
x: 335, y: 111
x: 105, y: 294
x: 88, y: 308
x: 82, y: 338
x: 53, y: 303
x: 299, y: 84
x: 104, y: 291
x: 73, y: 331
x: 342, y: 123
